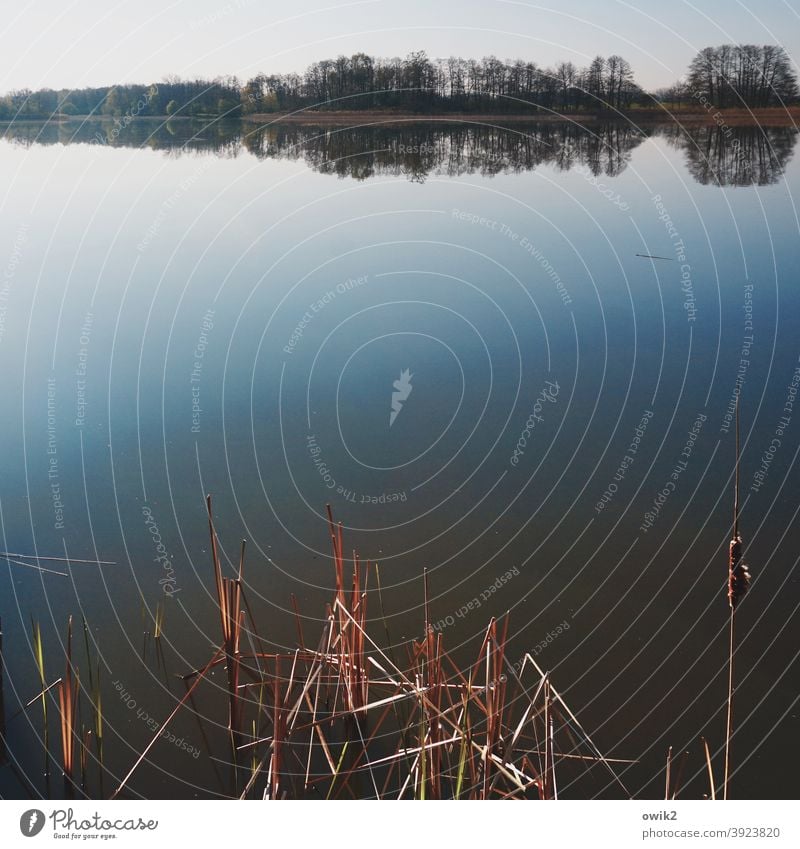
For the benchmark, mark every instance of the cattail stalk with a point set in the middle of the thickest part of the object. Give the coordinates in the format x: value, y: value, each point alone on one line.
x: 738, y: 584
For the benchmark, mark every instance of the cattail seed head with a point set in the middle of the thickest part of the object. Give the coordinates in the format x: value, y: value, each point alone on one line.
x: 738, y: 573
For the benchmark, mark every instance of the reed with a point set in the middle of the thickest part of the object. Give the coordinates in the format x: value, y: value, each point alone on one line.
x: 738, y: 584
x: 38, y: 654
x: 158, y: 624
x: 462, y: 743
x: 67, y: 702
x: 346, y: 718
x: 97, y: 699
x: 668, y: 774
x: 84, y: 753
x: 198, y: 678
x: 712, y: 788
x: 21, y: 560
x: 3, y: 750
x: 87, y: 650
x: 229, y: 597
x: 96, y: 694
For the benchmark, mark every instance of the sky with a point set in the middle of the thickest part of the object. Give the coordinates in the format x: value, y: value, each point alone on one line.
x: 77, y: 43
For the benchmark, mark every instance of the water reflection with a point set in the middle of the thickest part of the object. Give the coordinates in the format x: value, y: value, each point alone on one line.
x: 735, y: 156
x: 418, y: 151
x: 723, y: 156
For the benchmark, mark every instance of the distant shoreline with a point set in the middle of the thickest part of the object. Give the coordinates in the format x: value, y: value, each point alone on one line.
x: 768, y: 116
x: 686, y: 115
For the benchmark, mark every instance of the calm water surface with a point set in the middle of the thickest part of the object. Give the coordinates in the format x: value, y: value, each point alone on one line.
x: 450, y: 334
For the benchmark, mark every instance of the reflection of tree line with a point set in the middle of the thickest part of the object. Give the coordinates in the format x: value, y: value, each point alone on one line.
x: 448, y: 149
x: 717, y: 155
x: 734, y: 156
x: 176, y: 137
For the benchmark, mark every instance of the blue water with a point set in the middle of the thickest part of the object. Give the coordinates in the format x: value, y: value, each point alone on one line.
x: 221, y: 313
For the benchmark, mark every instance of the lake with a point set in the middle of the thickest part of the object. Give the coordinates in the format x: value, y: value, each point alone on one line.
x: 507, y: 356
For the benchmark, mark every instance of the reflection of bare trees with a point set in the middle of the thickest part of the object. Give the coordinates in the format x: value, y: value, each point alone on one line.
x: 175, y: 137
x: 451, y: 149
x: 735, y: 156
x: 724, y: 155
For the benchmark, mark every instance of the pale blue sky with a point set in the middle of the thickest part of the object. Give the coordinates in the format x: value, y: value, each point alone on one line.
x: 73, y: 43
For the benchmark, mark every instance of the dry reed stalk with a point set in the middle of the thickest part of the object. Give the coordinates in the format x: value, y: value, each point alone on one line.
x: 738, y: 584
x: 349, y: 640
x: 710, y: 770
x: 6, y: 554
x: 669, y: 772
x: 569, y: 715
x: 38, y: 652
x: 67, y: 703
x: 198, y: 678
x: 37, y: 568
x: 229, y: 596
x: 456, y: 734
x: 681, y: 765
x: 548, y: 790
x: 218, y: 580
x: 159, y: 621
x: 438, y: 704
x: 278, y: 733
x: 20, y: 560
x: 3, y: 757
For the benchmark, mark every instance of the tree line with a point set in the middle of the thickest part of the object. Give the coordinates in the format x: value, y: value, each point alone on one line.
x: 729, y: 75
x: 419, y: 84
x: 736, y: 75
x: 743, y: 75
x: 172, y: 96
